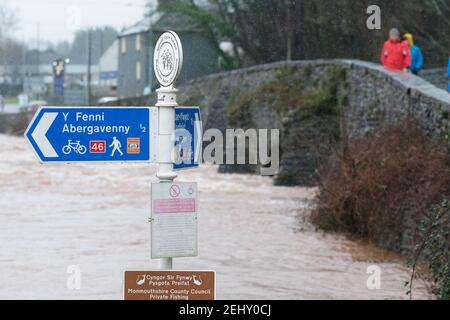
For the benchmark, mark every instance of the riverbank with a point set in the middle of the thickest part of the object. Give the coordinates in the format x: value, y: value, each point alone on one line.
x: 391, y: 188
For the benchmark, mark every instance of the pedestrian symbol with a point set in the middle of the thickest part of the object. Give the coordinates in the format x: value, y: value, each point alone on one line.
x: 116, y: 145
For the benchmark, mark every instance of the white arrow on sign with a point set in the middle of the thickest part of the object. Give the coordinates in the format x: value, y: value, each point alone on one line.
x: 39, y: 135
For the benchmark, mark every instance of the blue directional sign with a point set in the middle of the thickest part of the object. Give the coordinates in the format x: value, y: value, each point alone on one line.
x: 91, y: 134
x: 188, y: 137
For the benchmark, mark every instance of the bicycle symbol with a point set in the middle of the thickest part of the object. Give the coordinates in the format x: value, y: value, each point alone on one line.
x: 76, y: 147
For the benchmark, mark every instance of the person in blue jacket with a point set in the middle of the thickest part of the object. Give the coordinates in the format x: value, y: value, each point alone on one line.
x: 448, y: 73
x: 416, y: 53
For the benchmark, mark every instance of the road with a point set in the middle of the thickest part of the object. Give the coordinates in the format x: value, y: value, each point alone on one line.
x: 256, y: 236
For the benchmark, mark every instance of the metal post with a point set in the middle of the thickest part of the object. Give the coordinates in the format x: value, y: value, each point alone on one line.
x: 167, y: 63
x: 89, y: 62
x: 38, y: 52
x: 167, y: 101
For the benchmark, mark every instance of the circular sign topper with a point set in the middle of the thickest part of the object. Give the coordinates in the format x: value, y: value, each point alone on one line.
x: 168, y: 58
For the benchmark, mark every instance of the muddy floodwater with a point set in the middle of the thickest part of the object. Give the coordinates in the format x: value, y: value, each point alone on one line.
x: 254, y: 235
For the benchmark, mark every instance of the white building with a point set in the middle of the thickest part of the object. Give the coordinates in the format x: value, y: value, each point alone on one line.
x: 109, y: 66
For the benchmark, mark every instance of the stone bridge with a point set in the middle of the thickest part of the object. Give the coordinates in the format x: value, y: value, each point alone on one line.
x: 371, y: 94
x: 307, y: 101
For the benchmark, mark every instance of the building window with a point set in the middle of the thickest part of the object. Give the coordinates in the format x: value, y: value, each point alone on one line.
x: 123, y: 44
x: 138, y: 42
x: 138, y: 70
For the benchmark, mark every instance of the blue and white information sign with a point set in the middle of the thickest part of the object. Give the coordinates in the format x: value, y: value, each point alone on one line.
x: 188, y: 137
x: 91, y: 134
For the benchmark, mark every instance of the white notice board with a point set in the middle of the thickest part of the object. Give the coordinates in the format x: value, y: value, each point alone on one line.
x: 174, y: 220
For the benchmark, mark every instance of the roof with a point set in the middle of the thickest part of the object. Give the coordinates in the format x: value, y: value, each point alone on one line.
x: 175, y: 21
x: 109, y: 61
x: 142, y: 26
x: 159, y: 22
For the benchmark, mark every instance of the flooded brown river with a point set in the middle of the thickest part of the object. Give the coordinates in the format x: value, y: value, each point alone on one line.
x: 254, y: 235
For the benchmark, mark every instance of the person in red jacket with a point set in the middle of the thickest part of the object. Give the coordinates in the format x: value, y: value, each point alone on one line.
x: 396, y: 55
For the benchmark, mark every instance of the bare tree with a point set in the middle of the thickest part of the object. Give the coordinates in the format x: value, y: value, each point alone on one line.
x: 8, y: 20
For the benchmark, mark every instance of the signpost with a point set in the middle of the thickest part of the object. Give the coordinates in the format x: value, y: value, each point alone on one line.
x: 168, y: 61
x: 60, y: 134
x: 59, y: 67
x: 166, y: 134
x: 174, y: 205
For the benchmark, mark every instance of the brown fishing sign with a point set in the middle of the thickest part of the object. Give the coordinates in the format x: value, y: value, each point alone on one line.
x: 169, y: 285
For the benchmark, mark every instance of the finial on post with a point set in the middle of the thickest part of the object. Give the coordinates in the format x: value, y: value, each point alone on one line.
x: 167, y: 62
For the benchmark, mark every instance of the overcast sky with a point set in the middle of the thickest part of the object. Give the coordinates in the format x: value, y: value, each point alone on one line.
x: 59, y: 18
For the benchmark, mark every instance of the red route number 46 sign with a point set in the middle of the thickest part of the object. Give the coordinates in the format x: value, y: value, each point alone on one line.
x: 97, y: 146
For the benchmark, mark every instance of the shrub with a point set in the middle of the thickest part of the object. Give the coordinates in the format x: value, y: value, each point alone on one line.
x: 381, y: 186
x: 433, y: 247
